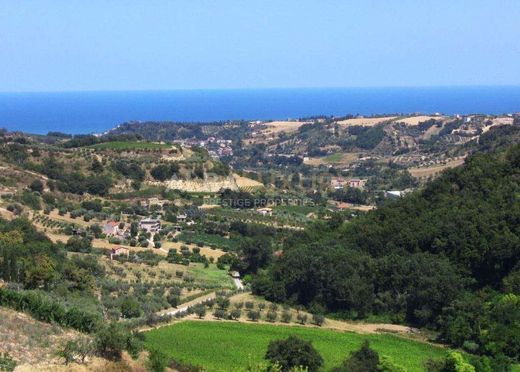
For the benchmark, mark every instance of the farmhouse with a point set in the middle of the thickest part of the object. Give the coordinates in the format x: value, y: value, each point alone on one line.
x: 357, y: 183
x: 338, y: 183
x: 265, y: 211
x: 119, y: 251
x: 111, y: 228
x: 181, y: 218
x: 150, y: 225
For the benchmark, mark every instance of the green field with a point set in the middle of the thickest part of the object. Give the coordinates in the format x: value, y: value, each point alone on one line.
x: 334, y: 158
x: 130, y: 145
x: 211, y: 276
x: 211, y: 240
x: 227, y: 346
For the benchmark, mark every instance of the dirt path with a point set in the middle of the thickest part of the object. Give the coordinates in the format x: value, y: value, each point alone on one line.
x: 175, y: 310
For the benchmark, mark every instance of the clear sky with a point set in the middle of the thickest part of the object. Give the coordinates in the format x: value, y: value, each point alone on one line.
x: 61, y: 45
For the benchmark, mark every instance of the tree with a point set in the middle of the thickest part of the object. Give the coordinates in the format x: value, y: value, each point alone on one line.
x: 222, y: 302
x: 302, y: 318
x: 37, y: 186
x: 157, y: 361
x: 363, y: 360
x: 318, y: 319
x: 200, y: 310
x: 111, y: 340
x: 271, y: 316
x: 253, y: 315
x: 96, y: 230
x: 130, y: 308
x: 235, y: 314
x: 220, y: 313
x: 286, y: 317
x: 294, y: 352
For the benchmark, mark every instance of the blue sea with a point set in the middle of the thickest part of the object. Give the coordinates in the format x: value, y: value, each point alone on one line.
x: 97, y: 112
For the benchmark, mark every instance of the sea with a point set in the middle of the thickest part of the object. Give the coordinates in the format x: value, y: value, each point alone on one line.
x: 98, y: 112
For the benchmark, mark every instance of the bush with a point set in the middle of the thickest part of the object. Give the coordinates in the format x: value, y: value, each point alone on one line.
x: 286, y: 317
x: 7, y: 363
x: 294, y: 352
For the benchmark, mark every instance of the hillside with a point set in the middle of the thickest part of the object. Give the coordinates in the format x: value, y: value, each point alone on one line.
x: 96, y: 167
x: 446, y: 257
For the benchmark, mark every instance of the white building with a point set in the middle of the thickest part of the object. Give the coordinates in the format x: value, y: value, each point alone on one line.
x: 150, y: 225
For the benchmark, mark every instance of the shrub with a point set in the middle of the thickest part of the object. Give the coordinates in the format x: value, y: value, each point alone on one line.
x: 294, y: 352
x: 7, y: 363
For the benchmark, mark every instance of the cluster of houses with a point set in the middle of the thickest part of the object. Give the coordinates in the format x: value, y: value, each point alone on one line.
x: 150, y: 225
x: 216, y: 147
x: 339, y: 183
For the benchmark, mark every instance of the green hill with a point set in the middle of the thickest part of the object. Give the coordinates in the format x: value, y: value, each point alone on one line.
x: 445, y: 258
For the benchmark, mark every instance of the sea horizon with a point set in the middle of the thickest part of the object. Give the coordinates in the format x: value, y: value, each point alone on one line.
x: 84, y: 112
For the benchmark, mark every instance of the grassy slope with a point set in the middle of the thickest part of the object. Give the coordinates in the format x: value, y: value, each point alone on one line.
x: 222, y: 346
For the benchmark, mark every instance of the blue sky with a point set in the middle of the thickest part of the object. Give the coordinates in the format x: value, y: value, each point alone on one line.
x: 64, y: 45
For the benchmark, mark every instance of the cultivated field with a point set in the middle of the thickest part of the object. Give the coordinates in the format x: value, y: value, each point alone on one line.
x: 245, y: 183
x: 415, y: 120
x: 275, y: 127
x: 436, y: 169
x: 366, y: 122
x: 225, y: 346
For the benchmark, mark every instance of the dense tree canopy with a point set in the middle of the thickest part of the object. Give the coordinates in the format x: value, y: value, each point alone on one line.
x: 453, y: 245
